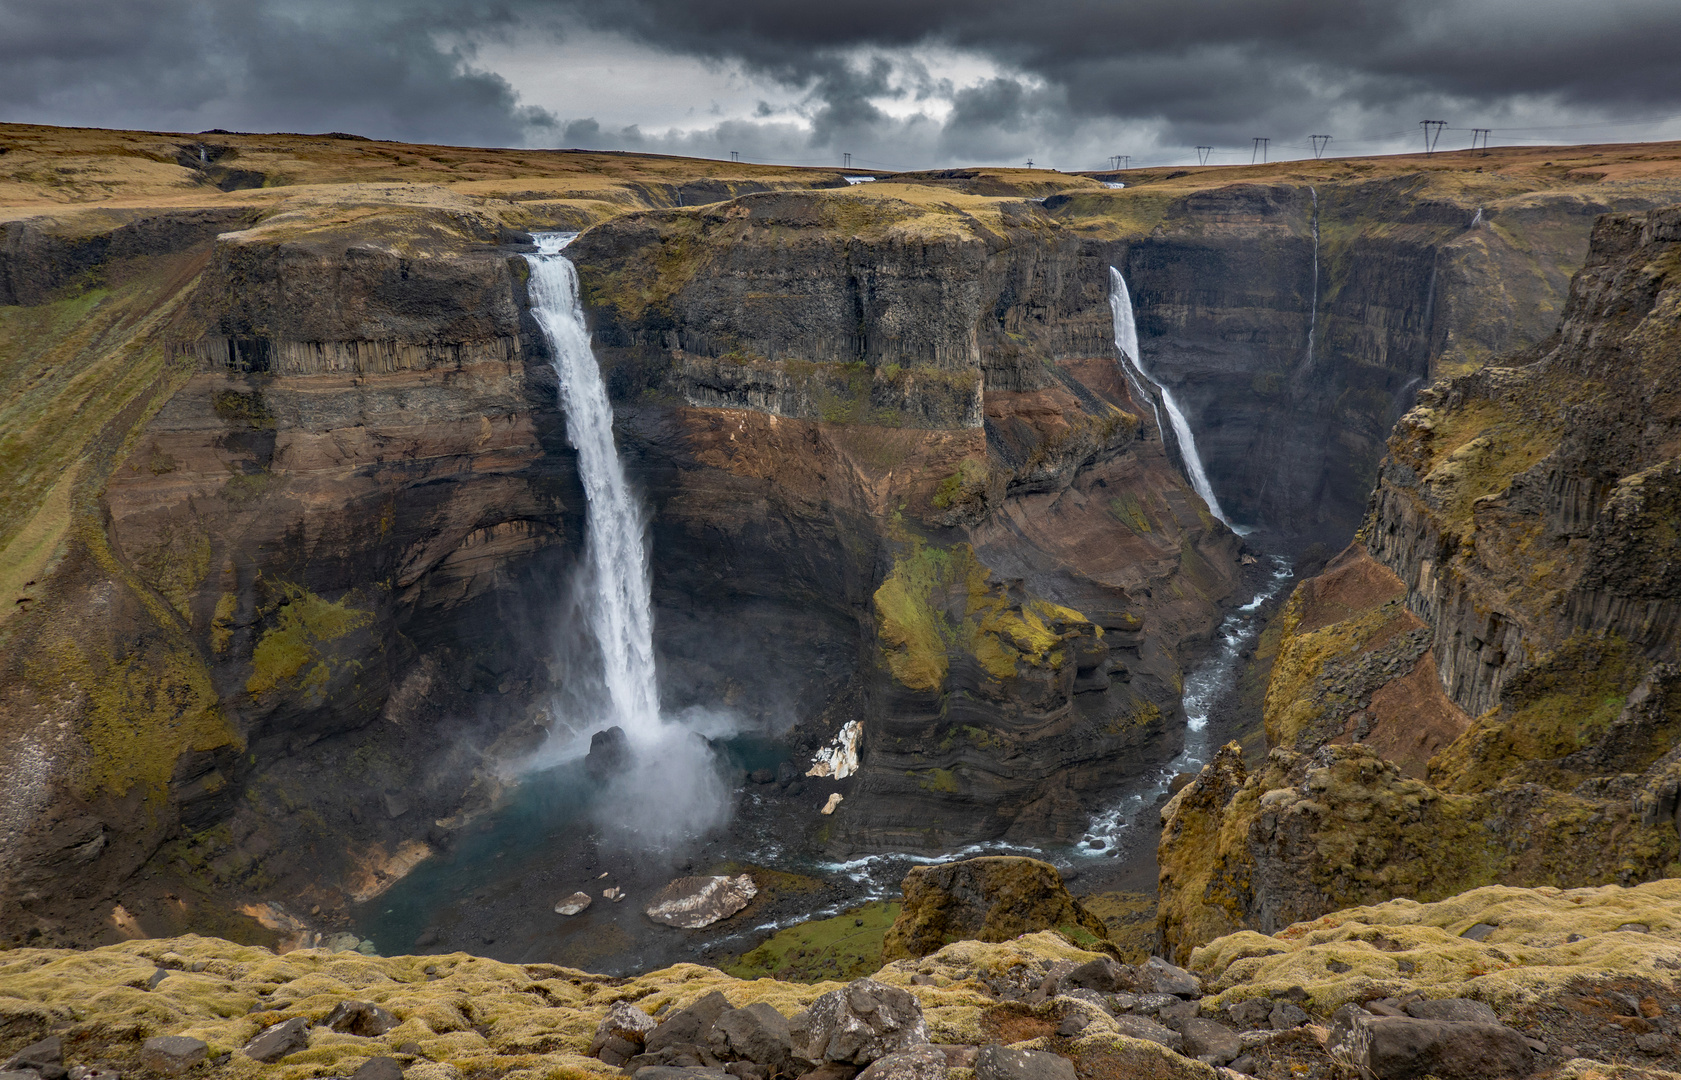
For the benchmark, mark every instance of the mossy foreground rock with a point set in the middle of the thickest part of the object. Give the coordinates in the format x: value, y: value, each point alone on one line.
x: 1588, y: 974
x: 989, y: 899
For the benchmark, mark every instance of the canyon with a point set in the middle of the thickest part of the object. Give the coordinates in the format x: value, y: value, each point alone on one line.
x: 290, y: 512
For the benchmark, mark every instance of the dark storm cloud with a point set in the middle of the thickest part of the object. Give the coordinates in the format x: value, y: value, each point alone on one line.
x: 1173, y: 73
x: 379, y: 69
x: 1211, y: 68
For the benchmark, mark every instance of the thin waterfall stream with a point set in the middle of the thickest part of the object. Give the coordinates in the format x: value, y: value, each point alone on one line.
x: 1126, y: 340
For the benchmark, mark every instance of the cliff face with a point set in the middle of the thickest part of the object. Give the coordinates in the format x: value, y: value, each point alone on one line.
x: 1510, y: 640
x: 867, y: 461
x: 317, y: 526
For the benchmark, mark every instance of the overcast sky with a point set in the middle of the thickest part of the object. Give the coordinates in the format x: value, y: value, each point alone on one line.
x: 896, y: 83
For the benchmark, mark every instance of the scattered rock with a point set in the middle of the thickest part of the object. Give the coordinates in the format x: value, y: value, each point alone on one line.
x: 690, y: 903
x: 1635, y: 928
x: 1251, y: 1014
x: 1003, y: 1063
x: 1406, y: 1048
x: 428, y: 938
x: 1653, y: 1042
x: 1452, y: 1009
x: 1209, y: 1042
x: 158, y: 976
x: 917, y: 1063
x: 1285, y: 1016
x: 994, y: 898
x: 628, y: 1026
x: 1103, y: 975
x: 670, y: 1072
x: 274, y: 1043
x: 689, y: 1025
x: 572, y: 905
x: 762, y: 776
x: 748, y: 1070
x: 360, y: 1018
x: 172, y: 1055
x: 755, y: 1032
x: 861, y: 1022
x: 38, y: 1056
x: 1164, y: 978
x: 379, y: 1068
x: 1479, y: 931
x: 1142, y: 1027
x: 830, y: 806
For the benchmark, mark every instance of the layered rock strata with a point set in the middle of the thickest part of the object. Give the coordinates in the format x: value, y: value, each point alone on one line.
x: 1509, y: 643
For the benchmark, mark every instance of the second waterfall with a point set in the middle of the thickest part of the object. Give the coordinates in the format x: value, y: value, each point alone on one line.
x: 1126, y: 340
x: 671, y: 786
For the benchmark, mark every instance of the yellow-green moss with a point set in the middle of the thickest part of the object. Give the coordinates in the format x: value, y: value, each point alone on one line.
x: 1552, y: 709
x: 143, y: 710
x: 917, y: 633
x: 1127, y: 510
x: 847, y: 946
x: 292, y: 643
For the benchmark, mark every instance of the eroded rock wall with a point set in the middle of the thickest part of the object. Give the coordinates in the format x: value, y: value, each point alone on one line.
x: 1508, y: 644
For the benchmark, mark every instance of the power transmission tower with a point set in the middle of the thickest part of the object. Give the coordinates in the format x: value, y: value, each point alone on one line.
x: 1481, y: 133
x: 1126, y: 161
x: 1260, y: 149
x: 1202, y: 154
x: 847, y: 159
x: 1030, y: 163
x: 735, y: 155
x: 1432, y: 132
x: 1319, y: 144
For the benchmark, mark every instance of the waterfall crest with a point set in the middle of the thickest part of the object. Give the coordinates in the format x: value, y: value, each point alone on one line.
x: 1126, y: 340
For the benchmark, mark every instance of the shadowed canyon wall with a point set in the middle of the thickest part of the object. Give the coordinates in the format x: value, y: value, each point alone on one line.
x: 1484, y: 689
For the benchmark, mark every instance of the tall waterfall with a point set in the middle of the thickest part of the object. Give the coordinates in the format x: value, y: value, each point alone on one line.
x: 614, y: 587
x: 1126, y: 340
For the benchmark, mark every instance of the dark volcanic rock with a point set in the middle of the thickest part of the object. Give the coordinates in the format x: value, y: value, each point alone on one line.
x: 756, y: 1033
x: 360, y: 1018
x: 172, y: 1055
x: 276, y: 1042
x: 609, y: 753
x: 1405, y: 1048
x: 861, y: 1022
x: 1005, y: 1063
x: 917, y: 1063
x: 994, y: 898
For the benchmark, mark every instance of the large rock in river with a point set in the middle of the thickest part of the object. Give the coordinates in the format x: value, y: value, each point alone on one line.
x: 690, y: 903
x: 995, y: 898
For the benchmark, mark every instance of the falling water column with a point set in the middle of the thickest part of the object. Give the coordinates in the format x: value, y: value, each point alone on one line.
x: 1126, y: 340
x: 614, y: 585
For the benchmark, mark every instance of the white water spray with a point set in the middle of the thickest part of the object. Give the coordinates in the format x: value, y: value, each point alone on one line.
x: 672, y: 788
x: 1126, y: 340
x: 615, y: 591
